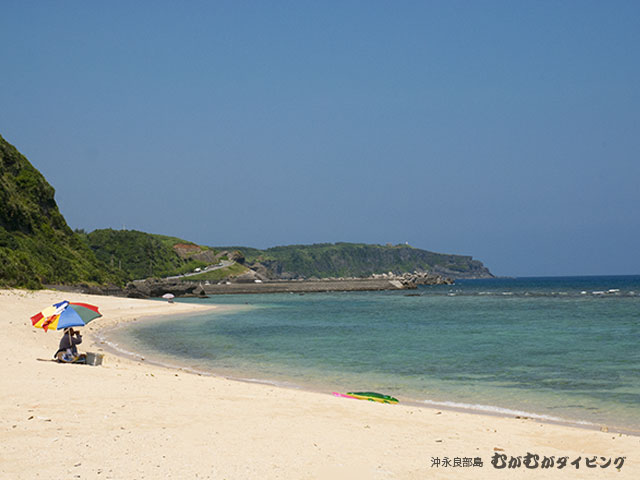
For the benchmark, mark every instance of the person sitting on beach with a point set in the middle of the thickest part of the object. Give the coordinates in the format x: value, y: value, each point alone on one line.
x: 67, y: 350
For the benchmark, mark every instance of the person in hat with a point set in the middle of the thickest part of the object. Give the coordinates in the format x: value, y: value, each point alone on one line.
x: 67, y: 350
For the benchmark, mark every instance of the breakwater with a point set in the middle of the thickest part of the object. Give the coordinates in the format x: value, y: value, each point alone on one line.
x: 150, y: 288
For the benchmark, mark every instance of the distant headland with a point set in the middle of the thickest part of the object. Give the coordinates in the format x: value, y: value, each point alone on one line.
x: 37, y: 249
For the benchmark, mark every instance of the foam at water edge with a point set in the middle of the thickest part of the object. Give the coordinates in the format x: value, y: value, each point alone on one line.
x: 137, y: 356
x: 504, y: 411
x: 273, y: 383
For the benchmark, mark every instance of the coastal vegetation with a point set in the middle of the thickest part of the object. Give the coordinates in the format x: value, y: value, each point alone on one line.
x: 140, y: 255
x: 358, y: 260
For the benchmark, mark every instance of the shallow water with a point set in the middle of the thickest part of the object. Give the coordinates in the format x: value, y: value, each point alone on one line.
x: 557, y: 348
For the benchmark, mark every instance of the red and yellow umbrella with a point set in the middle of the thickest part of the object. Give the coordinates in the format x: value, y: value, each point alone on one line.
x: 65, y: 314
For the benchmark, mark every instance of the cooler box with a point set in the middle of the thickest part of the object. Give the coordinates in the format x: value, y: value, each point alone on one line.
x: 94, y: 359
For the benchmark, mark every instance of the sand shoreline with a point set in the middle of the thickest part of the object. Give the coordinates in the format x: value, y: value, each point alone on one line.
x: 130, y: 419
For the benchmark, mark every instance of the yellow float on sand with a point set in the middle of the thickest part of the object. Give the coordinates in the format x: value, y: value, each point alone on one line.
x: 373, y: 397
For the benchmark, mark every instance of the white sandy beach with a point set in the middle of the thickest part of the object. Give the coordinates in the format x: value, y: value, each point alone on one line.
x: 131, y: 420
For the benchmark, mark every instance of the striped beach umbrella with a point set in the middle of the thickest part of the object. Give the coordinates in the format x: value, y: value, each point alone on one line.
x: 65, y: 314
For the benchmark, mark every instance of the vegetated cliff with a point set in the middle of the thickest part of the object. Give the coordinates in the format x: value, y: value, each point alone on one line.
x: 140, y: 255
x: 357, y: 260
x: 36, y: 245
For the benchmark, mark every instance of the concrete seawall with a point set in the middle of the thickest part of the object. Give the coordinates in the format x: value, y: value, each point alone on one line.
x: 154, y: 287
x: 294, y: 286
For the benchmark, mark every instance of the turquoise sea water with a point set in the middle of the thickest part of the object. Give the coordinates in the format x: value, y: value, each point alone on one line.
x: 561, y: 348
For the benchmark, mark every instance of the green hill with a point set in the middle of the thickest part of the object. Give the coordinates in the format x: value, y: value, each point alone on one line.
x: 36, y: 245
x: 358, y: 260
x: 141, y: 255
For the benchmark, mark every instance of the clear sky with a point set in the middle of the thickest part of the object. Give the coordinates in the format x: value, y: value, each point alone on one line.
x: 509, y: 131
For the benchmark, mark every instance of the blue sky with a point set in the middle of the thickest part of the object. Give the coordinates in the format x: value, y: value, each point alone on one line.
x: 509, y: 131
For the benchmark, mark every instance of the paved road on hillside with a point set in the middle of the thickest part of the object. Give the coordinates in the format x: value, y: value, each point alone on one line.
x: 210, y: 268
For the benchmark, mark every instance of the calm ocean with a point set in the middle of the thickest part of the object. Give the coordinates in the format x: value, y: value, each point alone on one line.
x: 563, y: 348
